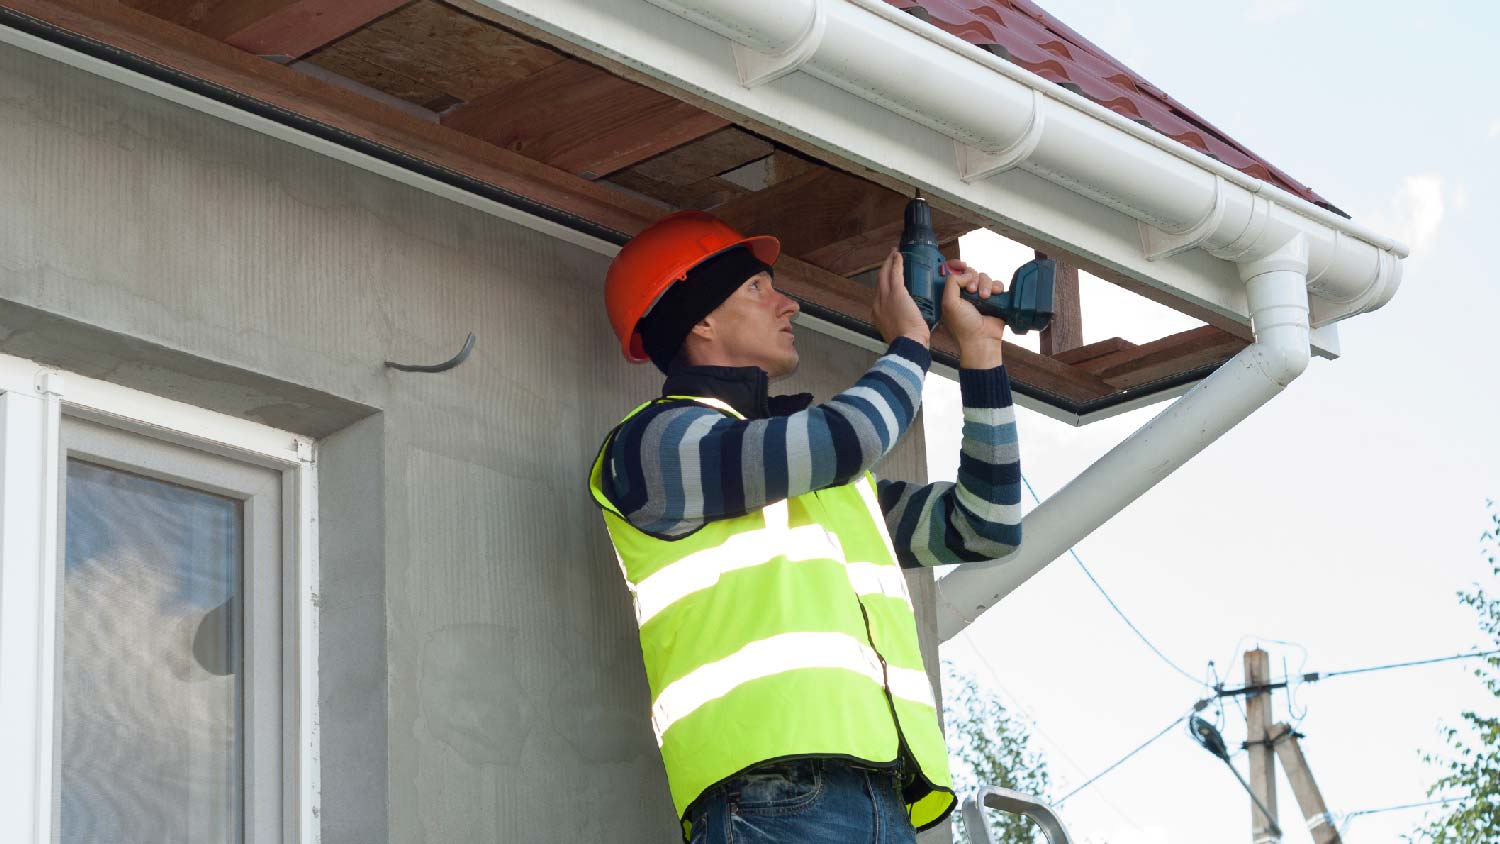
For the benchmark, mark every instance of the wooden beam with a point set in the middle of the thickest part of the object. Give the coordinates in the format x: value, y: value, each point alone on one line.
x: 701, y: 196
x: 579, y: 118
x: 1090, y: 351
x: 151, y: 38
x: 1181, y: 352
x: 802, y: 145
x: 1309, y: 797
x: 831, y: 219
x: 282, y: 30
x: 1065, y: 332
x: 706, y: 157
x: 305, y: 26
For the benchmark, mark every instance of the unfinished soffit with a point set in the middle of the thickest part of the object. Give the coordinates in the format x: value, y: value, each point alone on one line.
x: 494, y: 105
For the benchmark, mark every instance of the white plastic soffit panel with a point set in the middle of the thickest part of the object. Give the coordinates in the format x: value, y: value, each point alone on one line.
x: 683, y: 54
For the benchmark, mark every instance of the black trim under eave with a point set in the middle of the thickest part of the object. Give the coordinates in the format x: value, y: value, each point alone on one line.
x: 227, y: 96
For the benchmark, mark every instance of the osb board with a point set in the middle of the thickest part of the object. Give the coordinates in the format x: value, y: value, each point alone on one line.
x: 432, y: 55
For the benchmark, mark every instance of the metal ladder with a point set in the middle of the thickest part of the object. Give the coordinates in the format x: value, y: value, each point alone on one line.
x: 1015, y: 803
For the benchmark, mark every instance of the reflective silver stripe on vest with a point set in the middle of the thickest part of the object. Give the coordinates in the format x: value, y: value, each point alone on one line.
x: 777, y: 655
x: 702, y: 569
x: 876, y: 579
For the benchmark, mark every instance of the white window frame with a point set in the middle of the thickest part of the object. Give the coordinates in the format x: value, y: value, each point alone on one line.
x: 34, y: 399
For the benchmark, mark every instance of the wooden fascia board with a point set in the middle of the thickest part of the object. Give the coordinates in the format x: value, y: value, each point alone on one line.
x: 1171, y: 355
x: 229, y: 68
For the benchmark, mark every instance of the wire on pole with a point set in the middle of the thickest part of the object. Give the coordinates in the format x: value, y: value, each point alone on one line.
x: 1116, y: 607
x: 1142, y: 746
x: 1324, y: 675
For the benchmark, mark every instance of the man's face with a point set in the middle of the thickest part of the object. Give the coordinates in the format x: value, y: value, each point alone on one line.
x: 753, y: 327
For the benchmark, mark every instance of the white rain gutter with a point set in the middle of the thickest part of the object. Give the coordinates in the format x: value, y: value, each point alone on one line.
x: 1002, y: 117
x: 1288, y: 252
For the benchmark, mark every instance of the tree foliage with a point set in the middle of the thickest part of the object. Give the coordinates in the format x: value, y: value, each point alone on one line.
x: 1471, y: 767
x: 989, y: 746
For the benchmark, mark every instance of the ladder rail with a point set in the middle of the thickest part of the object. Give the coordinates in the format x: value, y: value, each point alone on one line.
x: 1016, y: 803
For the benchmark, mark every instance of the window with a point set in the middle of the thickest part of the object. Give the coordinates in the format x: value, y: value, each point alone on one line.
x: 157, y: 628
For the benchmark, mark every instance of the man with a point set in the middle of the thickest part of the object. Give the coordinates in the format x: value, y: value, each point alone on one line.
x: 789, y: 698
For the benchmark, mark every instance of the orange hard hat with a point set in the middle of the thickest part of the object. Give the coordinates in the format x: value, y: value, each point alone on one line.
x: 661, y: 255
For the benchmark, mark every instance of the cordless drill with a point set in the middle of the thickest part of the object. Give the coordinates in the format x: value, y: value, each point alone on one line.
x: 1027, y: 305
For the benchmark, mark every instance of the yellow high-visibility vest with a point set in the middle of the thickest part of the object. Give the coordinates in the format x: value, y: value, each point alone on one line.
x: 786, y: 632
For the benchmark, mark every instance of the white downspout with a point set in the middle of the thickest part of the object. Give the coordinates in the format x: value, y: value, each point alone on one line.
x: 1276, y: 286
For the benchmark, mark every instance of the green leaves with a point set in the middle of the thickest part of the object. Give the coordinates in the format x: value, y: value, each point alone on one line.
x: 1471, y: 766
x: 989, y: 746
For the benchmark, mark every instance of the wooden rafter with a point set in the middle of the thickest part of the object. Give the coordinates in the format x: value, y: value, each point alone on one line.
x: 831, y: 219
x: 1066, y: 329
x: 1182, y: 352
x: 1096, y: 376
x: 579, y: 118
x: 150, y: 37
x: 707, y: 157
x: 283, y: 30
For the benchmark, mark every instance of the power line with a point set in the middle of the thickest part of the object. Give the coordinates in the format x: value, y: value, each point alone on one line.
x: 1446, y: 800
x: 1316, y: 676
x: 1324, y: 675
x: 1142, y: 746
x: 1116, y: 607
x: 1031, y: 720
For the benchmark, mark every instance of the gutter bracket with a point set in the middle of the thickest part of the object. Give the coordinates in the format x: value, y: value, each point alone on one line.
x: 756, y: 68
x: 976, y: 164
x: 1160, y: 244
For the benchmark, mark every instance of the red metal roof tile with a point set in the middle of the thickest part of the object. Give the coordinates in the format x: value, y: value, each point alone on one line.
x: 1022, y: 33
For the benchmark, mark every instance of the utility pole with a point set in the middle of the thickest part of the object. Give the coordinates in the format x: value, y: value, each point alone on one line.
x: 1263, y: 829
x: 1309, y: 798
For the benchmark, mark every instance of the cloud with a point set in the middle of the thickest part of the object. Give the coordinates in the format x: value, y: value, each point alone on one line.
x: 1415, y: 212
x: 1270, y: 11
x: 1494, y: 128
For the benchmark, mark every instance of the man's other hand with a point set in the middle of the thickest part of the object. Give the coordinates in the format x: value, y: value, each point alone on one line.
x: 979, y: 337
x: 895, y: 313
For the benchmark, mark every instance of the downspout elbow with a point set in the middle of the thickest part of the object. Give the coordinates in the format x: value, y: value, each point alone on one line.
x: 1276, y: 291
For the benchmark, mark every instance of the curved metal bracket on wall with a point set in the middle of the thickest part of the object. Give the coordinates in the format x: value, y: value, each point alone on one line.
x: 463, y: 355
x: 759, y: 68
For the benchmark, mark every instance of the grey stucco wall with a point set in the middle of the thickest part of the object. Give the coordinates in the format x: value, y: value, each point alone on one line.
x: 480, y: 673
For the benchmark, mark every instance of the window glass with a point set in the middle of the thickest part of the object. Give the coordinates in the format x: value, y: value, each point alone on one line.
x: 151, y: 686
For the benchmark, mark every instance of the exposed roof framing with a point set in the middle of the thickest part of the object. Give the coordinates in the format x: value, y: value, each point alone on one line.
x: 576, y: 139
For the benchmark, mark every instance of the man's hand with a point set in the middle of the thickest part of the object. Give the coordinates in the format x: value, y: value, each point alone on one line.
x: 979, y: 337
x: 894, y: 312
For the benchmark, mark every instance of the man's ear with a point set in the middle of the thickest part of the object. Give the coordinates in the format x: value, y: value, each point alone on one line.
x: 704, y: 329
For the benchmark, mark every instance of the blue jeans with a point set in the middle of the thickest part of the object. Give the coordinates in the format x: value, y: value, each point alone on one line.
x: 805, y: 801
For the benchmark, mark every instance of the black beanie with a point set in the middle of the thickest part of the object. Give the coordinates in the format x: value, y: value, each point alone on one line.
x: 686, y: 302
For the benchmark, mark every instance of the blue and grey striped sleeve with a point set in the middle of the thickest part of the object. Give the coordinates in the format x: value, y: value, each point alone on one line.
x: 979, y: 517
x: 679, y: 465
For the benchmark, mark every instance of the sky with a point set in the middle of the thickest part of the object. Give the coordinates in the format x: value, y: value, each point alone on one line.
x: 1337, y: 524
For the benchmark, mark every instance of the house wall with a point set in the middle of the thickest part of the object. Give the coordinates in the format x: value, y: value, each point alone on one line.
x: 480, y: 676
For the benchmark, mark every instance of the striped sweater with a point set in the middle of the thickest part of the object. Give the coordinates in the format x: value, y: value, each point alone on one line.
x: 677, y: 465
